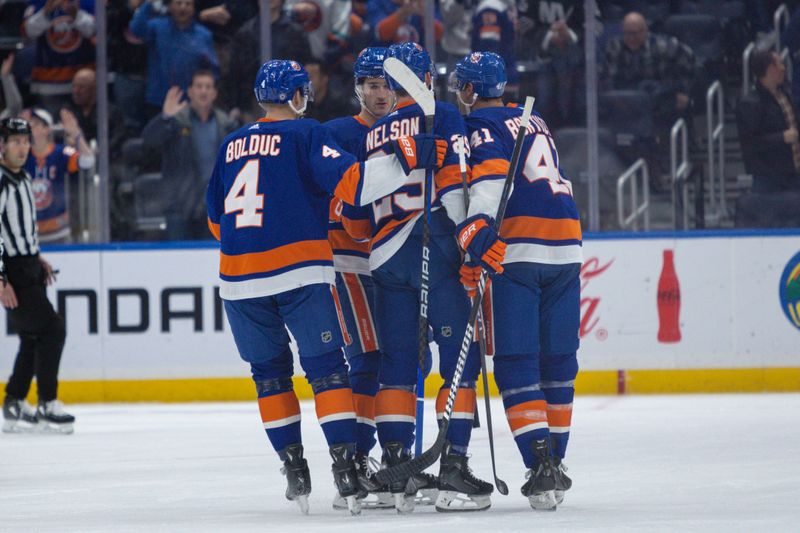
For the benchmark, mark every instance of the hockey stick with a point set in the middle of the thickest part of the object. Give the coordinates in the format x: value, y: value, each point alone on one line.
x: 423, y: 96
x: 502, y: 488
x: 429, y: 456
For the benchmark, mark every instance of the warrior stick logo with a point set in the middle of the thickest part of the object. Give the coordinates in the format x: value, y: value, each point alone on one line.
x: 789, y: 290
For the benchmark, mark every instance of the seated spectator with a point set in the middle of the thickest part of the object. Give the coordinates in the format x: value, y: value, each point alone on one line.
x: 127, y: 57
x: 288, y: 42
x: 177, y: 46
x: 51, y: 167
x: 12, y: 100
x: 63, y: 30
x: 768, y: 129
x: 326, y: 23
x: 83, y: 106
x: 399, y: 21
x: 658, y: 65
x: 188, y: 135
x: 493, y: 31
x: 329, y: 101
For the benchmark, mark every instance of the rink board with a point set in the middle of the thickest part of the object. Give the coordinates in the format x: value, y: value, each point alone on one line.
x: 144, y: 321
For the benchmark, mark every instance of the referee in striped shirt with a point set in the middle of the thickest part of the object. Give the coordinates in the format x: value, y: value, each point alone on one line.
x: 24, y: 294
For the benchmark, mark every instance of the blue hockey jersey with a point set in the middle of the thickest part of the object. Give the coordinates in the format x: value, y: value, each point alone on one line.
x: 493, y: 30
x: 541, y: 223
x: 393, y: 217
x: 49, y: 174
x: 268, y: 202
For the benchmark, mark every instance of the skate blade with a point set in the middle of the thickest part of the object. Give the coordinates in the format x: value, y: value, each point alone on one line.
x: 559, y: 496
x: 373, y: 501
x: 56, y: 429
x: 426, y: 496
x: 404, y: 504
x: 450, y: 501
x: 17, y: 426
x: 302, y: 502
x: 543, y: 501
x: 353, y: 505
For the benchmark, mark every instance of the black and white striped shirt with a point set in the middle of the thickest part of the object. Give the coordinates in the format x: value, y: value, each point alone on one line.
x: 17, y: 214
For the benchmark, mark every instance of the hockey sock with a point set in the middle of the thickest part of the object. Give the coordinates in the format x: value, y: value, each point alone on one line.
x: 277, y: 402
x: 517, y: 377
x: 461, y: 418
x: 364, y: 381
x: 558, y: 385
x: 395, y: 412
x: 333, y: 397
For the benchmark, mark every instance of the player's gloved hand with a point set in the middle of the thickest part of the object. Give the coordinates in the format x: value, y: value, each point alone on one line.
x: 419, y: 151
x: 477, y: 236
x: 470, y: 274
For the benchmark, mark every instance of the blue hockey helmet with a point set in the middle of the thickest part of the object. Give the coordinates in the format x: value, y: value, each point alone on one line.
x: 486, y: 71
x: 369, y: 63
x: 415, y: 57
x: 278, y: 79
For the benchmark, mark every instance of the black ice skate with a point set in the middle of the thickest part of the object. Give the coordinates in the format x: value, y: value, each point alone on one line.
x: 345, y: 476
x: 459, y: 489
x: 426, y: 487
x: 541, y: 484
x: 375, y: 494
x: 19, y: 416
x: 563, y: 482
x: 52, y: 418
x: 394, y: 454
x: 295, y: 468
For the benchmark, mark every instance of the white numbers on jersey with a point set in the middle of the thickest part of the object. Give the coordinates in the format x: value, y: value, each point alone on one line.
x: 244, y: 197
x: 540, y: 165
x: 327, y: 151
x: 455, y: 141
x: 404, y: 201
x: 480, y: 136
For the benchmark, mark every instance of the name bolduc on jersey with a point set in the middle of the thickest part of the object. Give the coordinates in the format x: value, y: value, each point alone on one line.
x: 541, y: 223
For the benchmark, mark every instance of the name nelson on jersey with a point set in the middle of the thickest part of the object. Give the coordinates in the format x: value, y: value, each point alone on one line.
x: 405, y: 127
x: 256, y: 144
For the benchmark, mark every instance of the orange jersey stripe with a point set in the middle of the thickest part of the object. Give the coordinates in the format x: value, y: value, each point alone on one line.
x: 465, y: 400
x: 214, y: 229
x: 72, y: 163
x: 277, y: 258
x: 366, y: 331
x: 55, y: 74
x: 340, y: 240
x: 393, y: 401
x: 551, y: 229
x: 364, y: 405
x: 490, y: 167
x: 357, y: 229
x: 335, y: 210
x: 526, y: 413
x: 279, y: 406
x: 559, y: 415
x: 348, y: 185
x: 449, y: 176
x: 334, y: 401
x: 53, y: 224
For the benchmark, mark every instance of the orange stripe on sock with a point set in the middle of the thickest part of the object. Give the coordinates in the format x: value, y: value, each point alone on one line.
x: 340, y: 315
x: 364, y: 325
x: 559, y: 415
x: 279, y: 406
x: 526, y: 413
x: 334, y: 401
x: 465, y: 400
x: 365, y: 406
x: 395, y: 402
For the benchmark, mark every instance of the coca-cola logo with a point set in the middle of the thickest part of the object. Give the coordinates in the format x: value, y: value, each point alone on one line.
x: 789, y: 291
x: 590, y: 318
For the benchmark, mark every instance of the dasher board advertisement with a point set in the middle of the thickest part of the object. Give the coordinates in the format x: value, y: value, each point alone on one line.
x: 700, y: 301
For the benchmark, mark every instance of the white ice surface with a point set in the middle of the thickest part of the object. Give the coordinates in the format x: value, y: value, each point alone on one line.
x: 666, y: 463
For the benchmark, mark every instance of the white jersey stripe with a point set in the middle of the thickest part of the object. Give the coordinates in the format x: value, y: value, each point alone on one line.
x: 282, y: 422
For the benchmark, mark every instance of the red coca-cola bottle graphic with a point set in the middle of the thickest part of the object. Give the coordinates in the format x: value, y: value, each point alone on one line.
x: 669, y: 302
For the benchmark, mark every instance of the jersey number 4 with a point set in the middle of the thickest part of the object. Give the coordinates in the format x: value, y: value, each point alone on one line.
x: 244, y: 197
x: 540, y: 165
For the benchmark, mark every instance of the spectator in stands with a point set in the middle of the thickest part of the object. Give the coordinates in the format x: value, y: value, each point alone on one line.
x: 658, y: 65
x: 177, y: 46
x: 399, y: 21
x: 12, y: 100
x: 791, y: 39
x: 127, y: 57
x: 188, y: 136
x: 326, y: 24
x: 768, y: 127
x: 83, y: 106
x: 288, y: 42
x: 493, y: 31
x: 457, y: 37
x: 329, y: 101
x: 51, y: 167
x: 562, y: 89
x: 63, y: 30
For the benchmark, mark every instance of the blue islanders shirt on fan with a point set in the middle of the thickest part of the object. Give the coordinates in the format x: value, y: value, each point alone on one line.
x: 268, y: 204
x: 49, y: 174
x: 541, y: 223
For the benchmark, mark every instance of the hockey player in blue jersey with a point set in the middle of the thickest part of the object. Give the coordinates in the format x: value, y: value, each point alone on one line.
x: 532, y: 309
x: 351, y: 262
x: 395, y: 262
x: 268, y: 201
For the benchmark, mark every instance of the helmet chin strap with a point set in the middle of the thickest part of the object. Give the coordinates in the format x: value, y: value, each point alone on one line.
x: 302, y: 109
x: 468, y: 106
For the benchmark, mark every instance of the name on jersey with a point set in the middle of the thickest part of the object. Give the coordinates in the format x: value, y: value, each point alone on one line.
x: 536, y: 125
x: 380, y: 136
x: 256, y: 144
